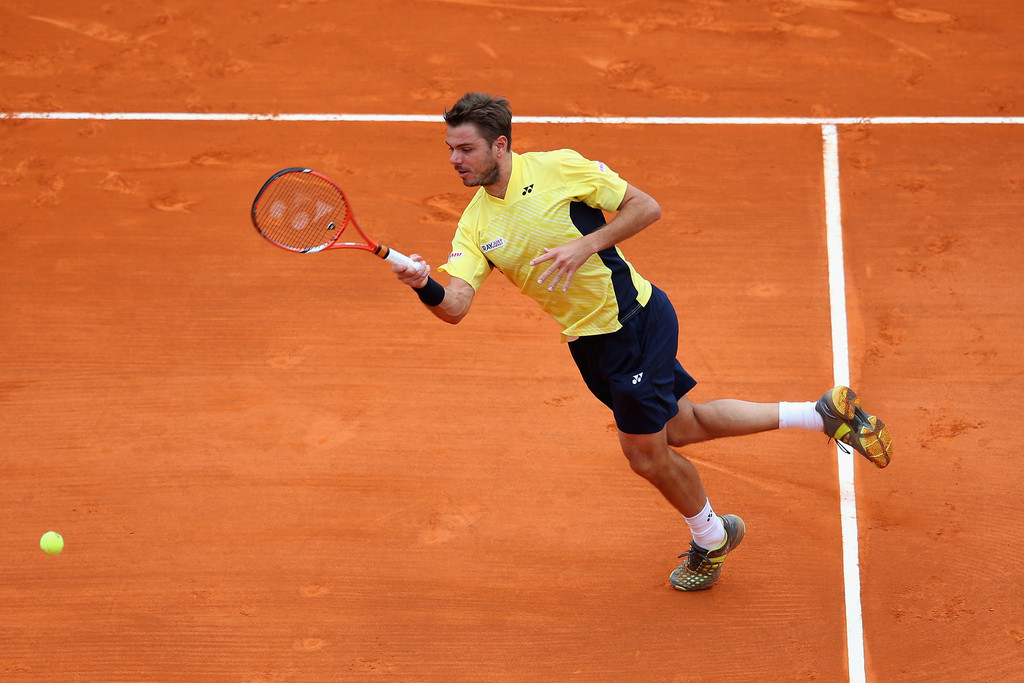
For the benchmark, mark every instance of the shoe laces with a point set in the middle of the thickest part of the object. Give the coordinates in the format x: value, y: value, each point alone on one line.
x: 696, y: 553
x: 843, y: 447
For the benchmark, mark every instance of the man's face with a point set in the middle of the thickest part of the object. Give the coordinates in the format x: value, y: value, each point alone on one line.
x: 473, y: 159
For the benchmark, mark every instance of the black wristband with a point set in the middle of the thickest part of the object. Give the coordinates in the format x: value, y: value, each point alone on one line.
x: 432, y: 293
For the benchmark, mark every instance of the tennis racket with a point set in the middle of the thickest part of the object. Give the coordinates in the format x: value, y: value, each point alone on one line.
x: 303, y: 211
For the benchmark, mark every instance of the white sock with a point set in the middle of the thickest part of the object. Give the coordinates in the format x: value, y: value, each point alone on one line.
x: 707, y: 529
x: 800, y: 416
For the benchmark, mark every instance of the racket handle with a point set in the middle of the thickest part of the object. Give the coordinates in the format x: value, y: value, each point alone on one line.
x: 389, y: 254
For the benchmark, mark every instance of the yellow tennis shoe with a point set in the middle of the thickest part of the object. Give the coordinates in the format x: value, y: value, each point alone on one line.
x: 847, y: 423
x: 702, y: 567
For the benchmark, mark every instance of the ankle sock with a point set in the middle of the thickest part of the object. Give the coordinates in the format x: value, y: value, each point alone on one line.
x: 707, y: 529
x: 800, y: 416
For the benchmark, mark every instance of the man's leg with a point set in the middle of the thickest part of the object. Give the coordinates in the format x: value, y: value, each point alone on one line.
x: 697, y: 422
x: 680, y: 483
x: 838, y: 414
x: 672, y: 474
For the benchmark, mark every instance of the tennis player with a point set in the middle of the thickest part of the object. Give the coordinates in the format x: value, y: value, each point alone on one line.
x: 539, y: 219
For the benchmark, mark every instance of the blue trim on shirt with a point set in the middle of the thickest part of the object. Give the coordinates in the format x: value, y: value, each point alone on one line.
x: 587, y: 219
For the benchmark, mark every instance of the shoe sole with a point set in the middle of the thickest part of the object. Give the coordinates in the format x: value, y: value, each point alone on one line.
x: 872, y: 432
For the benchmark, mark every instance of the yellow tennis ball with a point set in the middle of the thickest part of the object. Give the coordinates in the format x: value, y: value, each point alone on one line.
x: 51, y: 543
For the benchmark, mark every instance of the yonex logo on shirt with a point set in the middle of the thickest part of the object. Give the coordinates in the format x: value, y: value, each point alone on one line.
x: 638, y: 378
x: 528, y: 189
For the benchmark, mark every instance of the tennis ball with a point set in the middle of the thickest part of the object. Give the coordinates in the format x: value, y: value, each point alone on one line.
x: 51, y: 543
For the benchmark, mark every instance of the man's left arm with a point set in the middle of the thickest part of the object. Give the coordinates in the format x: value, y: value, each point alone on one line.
x: 636, y: 211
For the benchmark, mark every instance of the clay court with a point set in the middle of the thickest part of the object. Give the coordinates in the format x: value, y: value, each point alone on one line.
x: 274, y: 467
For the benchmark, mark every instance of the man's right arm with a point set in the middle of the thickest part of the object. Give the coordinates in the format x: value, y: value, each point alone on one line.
x: 449, y: 303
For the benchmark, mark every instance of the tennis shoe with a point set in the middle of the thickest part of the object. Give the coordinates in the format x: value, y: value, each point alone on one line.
x: 848, y: 424
x: 702, y: 567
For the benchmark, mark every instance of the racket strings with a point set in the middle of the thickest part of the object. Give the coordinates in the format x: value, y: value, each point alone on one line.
x: 301, y: 211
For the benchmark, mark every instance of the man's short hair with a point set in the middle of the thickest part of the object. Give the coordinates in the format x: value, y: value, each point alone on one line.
x: 491, y: 115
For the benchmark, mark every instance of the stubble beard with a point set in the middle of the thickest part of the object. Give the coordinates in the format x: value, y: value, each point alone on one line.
x: 487, y: 177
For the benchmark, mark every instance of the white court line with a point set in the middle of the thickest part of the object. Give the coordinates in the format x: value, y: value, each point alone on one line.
x: 841, y: 375
x: 601, y: 120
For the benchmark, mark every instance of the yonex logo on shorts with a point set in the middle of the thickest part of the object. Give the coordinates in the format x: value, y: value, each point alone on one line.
x: 638, y: 378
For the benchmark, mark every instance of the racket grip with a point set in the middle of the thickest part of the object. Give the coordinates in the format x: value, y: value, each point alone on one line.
x: 399, y: 258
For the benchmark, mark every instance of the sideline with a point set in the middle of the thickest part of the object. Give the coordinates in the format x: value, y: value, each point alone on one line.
x: 841, y: 375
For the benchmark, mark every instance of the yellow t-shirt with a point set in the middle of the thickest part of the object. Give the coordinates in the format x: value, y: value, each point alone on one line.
x: 552, y: 198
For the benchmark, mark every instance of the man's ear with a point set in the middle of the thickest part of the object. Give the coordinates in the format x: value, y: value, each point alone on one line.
x: 500, y: 145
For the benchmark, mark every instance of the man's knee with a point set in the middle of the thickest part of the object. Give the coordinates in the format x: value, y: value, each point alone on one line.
x: 646, y: 454
x: 684, y: 428
x: 644, y: 465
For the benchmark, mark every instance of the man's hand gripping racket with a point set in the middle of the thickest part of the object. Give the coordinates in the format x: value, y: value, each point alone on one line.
x: 303, y: 211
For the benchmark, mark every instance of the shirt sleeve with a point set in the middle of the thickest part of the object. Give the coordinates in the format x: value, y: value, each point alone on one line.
x: 466, y: 261
x: 592, y: 182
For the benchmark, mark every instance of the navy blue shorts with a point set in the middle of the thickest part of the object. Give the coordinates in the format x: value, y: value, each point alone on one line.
x: 634, y: 371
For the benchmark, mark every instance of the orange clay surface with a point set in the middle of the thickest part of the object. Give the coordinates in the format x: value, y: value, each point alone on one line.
x: 270, y: 467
